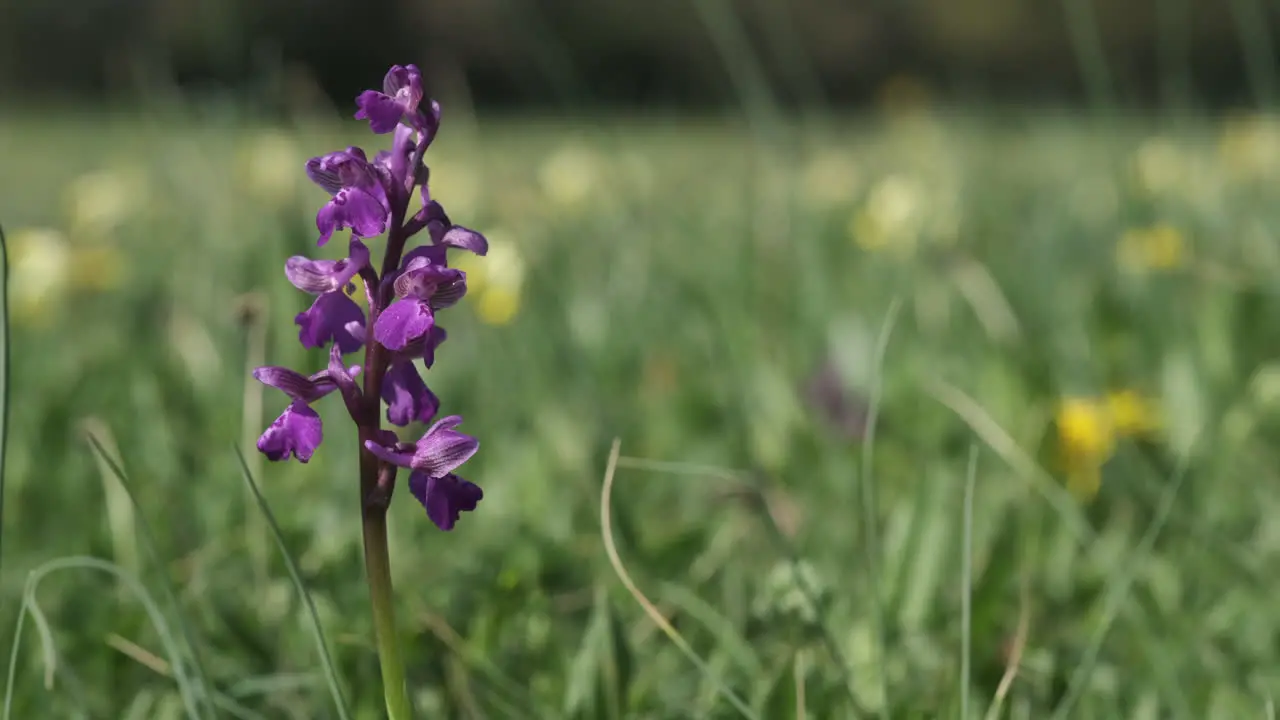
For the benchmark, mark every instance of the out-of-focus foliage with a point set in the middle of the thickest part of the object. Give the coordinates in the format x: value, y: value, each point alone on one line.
x: 561, y: 53
x: 1064, y: 286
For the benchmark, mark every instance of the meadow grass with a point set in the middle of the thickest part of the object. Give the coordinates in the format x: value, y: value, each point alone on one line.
x: 672, y: 285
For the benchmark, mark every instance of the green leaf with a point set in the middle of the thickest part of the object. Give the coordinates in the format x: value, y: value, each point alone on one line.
x: 781, y: 697
x: 600, y: 674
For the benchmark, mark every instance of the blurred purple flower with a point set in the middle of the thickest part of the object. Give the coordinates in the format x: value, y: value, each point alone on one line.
x: 841, y: 407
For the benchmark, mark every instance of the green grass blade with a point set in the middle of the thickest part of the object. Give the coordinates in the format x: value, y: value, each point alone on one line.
x: 729, y: 638
x: 30, y: 607
x: 1257, y: 47
x: 1086, y: 44
x: 149, y: 542
x: 966, y: 584
x: 1118, y: 592
x: 783, y: 546
x: 867, y: 492
x: 4, y: 376
x: 788, y: 549
x: 330, y: 672
x: 606, y: 532
x: 741, y: 62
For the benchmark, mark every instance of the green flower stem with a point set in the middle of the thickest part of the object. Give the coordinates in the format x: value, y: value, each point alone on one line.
x: 377, y: 482
x: 378, y: 568
x: 375, y: 498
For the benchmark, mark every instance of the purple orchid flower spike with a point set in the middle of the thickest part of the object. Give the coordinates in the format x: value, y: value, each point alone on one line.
x: 370, y: 198
x: 359, y: 200
x: 405, y: 291
x: 401, y: 94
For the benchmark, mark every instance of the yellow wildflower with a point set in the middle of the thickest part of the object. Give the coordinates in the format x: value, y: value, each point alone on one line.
x: 495, y: 280
x: 46, y: 269
x: 1131, y: 414
x: 1250, y: 147
x: 1085, y: 429
x: 41, y: 262
x: 891, y: 217
x: 569, y: 175
x: 1159, y: 247
x: 98, y: 202
x: 457, y: 186
x: 498, y: 305
x: 1084, y: 482
x: 1086, y: 440
x: 1160, y: 166
x: 270, y: 165
x: 1088, y: 430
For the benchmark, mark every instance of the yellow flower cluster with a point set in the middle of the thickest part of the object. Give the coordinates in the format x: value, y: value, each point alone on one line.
x: 48, y: 264
x: 496, y: 280
x: 1154, y: 248
x: 268, y: 167
x: 893, y: 217
x: 1088, y: 430
x: 1249, y: 148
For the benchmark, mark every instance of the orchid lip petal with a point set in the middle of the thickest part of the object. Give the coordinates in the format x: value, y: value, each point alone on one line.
x: 408, y: 398
x: 445, y: 498
x: 357, y: 198
x: 402, y: 322
x: 382, y: 112
x: 297, y: 432
x: 333, y: 317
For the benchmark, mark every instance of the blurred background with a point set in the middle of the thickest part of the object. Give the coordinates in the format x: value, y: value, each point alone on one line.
x: 940, y: 338
x: 561, y: 55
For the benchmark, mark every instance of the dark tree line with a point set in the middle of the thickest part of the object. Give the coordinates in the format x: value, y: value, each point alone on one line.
x: 558, y: 53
